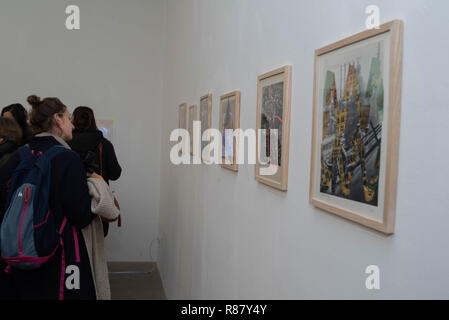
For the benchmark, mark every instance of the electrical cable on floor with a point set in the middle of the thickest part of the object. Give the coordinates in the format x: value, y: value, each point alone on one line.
x: 142, y: 272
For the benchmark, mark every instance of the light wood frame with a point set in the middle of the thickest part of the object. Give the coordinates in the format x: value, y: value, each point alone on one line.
x: 182, y: 107
x: 286, y: 73
x: 386, y: 225
x: 234, y: 167
x: 195, y: 118
x: 209, y: 119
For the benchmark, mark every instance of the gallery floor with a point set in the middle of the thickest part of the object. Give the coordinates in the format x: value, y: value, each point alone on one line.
x: 135, y: 281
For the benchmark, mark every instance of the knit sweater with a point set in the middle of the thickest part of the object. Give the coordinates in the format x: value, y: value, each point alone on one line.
x: 102, y: 205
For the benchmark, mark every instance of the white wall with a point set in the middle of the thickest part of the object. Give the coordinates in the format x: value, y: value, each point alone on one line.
x: 225, y: 236
x: 115, y: 64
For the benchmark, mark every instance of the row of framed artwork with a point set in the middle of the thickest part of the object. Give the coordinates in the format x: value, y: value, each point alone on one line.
x: 356, y: 121
x: 273, y: 116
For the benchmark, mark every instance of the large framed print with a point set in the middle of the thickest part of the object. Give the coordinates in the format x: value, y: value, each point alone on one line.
x: 229, y: 122
x: 206, y: 122
x: 273, y: 127
x: 356, y: 121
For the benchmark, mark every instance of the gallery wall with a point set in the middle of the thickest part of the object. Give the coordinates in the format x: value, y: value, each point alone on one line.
x: 113, y: 64
x: 223, y: 235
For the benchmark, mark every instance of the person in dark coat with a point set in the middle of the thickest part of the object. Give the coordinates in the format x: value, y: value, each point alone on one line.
x: 86, y: 141
x: 69, y: 198
x: 18, y: 113
x: 10, y: 135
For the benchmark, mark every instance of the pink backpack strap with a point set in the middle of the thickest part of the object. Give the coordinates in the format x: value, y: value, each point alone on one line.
x: 8, y: 269
x: 61, y: 284
x: 77, y: 247
x: 8, y: 186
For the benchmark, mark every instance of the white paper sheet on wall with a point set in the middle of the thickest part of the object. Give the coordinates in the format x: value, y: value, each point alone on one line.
x: 229, y: 144
x: 107, y: 127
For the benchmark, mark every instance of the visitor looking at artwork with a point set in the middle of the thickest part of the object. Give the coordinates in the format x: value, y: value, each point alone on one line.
x: 10, y: 136
x: 18, y: 113
x: 96, y: 152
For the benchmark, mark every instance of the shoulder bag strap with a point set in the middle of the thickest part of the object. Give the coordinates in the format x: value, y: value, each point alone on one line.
x: 100, y: 148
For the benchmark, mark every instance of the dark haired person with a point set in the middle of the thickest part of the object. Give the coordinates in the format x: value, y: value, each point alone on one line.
x: 95, y: 151
x: 69, y: 198
x: 20, y: 115
x: 10, y: 136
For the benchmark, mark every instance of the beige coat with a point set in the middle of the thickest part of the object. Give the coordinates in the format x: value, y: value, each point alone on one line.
x: 102, y: 205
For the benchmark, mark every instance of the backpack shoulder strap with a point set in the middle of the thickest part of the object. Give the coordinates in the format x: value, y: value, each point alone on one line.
x: 54, y: 151
x: 44, y: 161
x: 26, y: 158
x: 24, y: 152
x: 100, y: 149
x: 19, y: 174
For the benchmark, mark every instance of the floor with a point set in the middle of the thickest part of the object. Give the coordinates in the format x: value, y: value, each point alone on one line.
x: 135, y: 281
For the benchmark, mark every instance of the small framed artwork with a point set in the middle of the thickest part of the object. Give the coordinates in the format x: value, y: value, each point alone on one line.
x: 206, y: 121
x: 192, y: 117
x: 273, y: 127
x: 182, y: 112
x: 182, y: 120
x: 229, y: 122
x: 356, y: 121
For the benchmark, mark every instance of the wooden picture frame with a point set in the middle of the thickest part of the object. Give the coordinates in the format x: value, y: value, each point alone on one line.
x: 356, y: 125
x: 182, y: 122
x: 273, y: 112
x: 206, y: 122
x: 229, y: 103
x: 192, y: 117
x: 182, y: 114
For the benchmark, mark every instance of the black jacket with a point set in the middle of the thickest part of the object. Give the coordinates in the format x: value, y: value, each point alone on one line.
x: 69, y: 197
x: 89, y: 140
x: 6, y: 149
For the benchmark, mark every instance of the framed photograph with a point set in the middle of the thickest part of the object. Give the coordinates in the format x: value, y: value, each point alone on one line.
x: 229, y: 121
x: 206, y: 120
x: 273, y: 127
x: 192, y: 117
x: 182, y: 120
x: 182, y: 112
x: 356, y: 120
